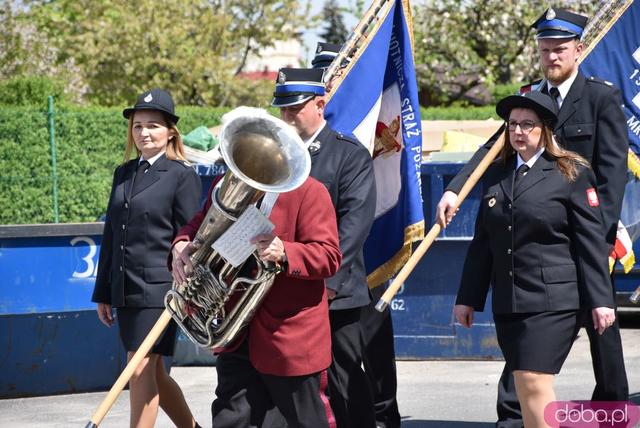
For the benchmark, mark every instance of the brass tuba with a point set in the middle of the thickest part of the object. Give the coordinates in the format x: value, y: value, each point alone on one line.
x: 263, y: 154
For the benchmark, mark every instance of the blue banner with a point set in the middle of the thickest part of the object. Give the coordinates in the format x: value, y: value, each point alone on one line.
x: 616, y: 59
x: 377, y: 102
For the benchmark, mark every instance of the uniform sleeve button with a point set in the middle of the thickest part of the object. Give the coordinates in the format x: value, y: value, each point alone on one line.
x: 511, y: 273
x: 124, y: 227
x: 509, y: 251
x: 509, y: 228
x: 122, y: 247
x: 126, y: 205
x: 120, y: 268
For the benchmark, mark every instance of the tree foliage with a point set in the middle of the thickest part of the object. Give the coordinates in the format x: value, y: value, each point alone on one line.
x: 335, y: 30
x: 193, y: 48
x: 461, y: 44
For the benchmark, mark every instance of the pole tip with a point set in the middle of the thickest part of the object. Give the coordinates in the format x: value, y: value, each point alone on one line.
x: 90, y: 424
x: 381, y: 305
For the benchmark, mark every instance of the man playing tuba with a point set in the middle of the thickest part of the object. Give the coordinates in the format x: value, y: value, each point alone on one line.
x: 280, y: 361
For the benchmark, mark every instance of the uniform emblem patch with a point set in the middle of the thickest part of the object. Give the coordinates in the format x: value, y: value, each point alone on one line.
x: 592, y: 197
x: 314, y: 146
x: 491, y: 202
x: 148, y: 98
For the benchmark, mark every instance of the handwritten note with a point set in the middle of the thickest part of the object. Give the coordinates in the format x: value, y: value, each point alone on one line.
x: 234, y: 244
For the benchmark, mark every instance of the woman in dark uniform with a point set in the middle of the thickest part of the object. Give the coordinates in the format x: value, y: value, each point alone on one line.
x: 539, y: 240
x: 152, y: 197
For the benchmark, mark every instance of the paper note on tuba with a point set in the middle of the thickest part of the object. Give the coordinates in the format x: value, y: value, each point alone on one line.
x: 234, y: 244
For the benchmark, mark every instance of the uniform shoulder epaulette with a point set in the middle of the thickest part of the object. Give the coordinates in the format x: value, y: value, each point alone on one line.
x: 181, y: 162
x: 348, y: 138
x: 598, y: 80
x: 529, y: 87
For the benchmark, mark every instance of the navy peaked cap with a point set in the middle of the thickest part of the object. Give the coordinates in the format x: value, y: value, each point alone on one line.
x: 297, y: 85
x: 559, y: 24
x: 325, y: 54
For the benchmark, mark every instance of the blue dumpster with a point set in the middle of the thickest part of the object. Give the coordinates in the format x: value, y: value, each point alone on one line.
x: 422, y: 312
x: 53, y: 343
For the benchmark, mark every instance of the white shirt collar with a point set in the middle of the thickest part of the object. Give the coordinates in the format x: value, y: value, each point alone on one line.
x: 531, y: 161
x: 563, y: 87
x: 152, y: 159
x: 315, y: 134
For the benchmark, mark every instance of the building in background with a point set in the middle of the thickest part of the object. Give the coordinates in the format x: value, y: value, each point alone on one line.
x: 266, y: 64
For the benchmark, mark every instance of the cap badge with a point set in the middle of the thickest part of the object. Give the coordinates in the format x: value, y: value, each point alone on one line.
x: 148, y: 98
x: 551, y: 14
x: 319, y: 49
x: 281, y: 78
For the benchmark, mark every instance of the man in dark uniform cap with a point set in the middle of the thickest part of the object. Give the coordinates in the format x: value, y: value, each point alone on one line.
x: 591, y: 123
x: 377, y: 328
x: 325, y: 54
x: 344, y: 166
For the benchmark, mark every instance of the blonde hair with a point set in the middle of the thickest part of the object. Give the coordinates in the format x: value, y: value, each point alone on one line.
x: 567, y: 160
x: 175, y: 146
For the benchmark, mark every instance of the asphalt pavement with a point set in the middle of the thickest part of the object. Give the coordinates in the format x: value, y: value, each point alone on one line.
x: 431, y: 394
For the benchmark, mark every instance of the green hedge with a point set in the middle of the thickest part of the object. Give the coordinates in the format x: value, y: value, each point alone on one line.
x: 458, y: 113
x: 90, y: 144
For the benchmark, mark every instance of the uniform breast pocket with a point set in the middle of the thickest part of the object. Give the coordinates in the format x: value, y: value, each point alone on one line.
x: 578, y: 131
x: 559, y: 274
x: 158, y: 274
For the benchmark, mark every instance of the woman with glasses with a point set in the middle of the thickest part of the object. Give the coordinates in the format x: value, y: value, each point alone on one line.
x: 539, y: 240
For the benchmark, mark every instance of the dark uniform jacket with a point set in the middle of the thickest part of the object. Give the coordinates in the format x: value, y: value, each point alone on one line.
x: 542, y: 248
x: 591, y: 123
x: 345, y: 167
x: 138, y: 231
x: 289, y: 334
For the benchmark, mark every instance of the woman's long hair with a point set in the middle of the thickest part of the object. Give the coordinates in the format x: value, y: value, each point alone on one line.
x: 175, y: 146
x: 567, y: 160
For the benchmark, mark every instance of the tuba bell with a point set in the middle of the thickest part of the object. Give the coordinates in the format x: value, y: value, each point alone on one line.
x: 263, y: 154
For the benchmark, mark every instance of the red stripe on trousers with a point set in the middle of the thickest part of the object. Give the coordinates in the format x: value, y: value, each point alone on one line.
x: 324, y: 380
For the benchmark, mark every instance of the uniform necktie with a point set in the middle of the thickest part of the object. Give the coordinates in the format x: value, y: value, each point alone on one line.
x: 137, y: 180
x: 520, y: 172
x: 555, y: 94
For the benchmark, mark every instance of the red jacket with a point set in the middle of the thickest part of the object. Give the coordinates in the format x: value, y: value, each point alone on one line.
x: 290, y: 333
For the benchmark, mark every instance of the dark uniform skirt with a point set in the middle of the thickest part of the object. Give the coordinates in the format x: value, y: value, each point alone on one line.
x: 136, y: 323
x: 537, y: 341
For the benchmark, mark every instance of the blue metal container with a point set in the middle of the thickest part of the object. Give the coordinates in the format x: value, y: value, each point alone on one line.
x: 422, y: 311
x: 422, y: 316
x: 52, y: 341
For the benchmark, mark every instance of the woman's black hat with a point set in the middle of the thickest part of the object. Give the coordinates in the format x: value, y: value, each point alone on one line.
x: 544, y: 106
x: 155, y: 99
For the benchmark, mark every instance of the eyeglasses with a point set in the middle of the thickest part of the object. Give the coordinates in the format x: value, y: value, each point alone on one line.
x: 526, y: 126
